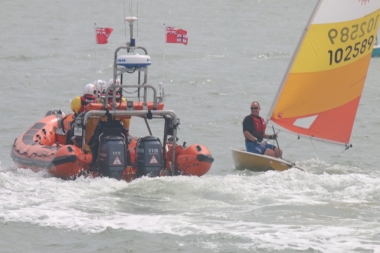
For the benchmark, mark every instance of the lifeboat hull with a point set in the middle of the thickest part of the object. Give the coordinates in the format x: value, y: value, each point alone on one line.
x: 43, y: 147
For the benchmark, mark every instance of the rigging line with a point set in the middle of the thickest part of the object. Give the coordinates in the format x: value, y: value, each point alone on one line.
x: 337, y: 155
x: 289, y: 145
x: 314, y: 147
x: 274, y: 133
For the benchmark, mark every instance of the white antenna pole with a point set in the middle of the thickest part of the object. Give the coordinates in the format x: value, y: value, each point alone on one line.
x: 125, y: 27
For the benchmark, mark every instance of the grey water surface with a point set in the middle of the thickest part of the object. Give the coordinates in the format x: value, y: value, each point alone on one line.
x: 238, y: 52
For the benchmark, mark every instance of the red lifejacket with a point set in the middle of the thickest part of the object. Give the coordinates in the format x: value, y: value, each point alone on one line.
x: 259, y: 127
x: 85, y: 100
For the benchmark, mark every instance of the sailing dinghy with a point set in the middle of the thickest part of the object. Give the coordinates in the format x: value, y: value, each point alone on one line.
x: 320, y: 92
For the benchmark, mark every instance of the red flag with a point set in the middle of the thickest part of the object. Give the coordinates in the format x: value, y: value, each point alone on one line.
x: 176, y: 35
x: 102, y: 35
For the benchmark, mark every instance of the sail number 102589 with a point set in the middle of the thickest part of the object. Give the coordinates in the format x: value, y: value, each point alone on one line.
x: 351, y: 36
x: 351, y: 51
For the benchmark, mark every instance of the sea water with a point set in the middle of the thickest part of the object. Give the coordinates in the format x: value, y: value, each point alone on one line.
x: 238, y: 52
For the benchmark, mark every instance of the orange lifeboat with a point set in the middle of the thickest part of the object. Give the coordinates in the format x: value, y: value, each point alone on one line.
x: 47, y: 145
x: 97, y: 142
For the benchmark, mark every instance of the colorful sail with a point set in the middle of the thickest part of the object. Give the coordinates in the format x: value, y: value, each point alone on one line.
x: 321, y: 90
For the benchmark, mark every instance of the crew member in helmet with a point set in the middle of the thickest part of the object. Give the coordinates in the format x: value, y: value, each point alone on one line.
x: 78, y: 104
x: 89, y: 96
x: 110, y: 92
x: 110, y: 82
x: 101, y: 87
x: 125, y: 121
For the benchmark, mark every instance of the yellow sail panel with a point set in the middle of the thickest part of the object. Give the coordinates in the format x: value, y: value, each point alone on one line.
x: 310, y: 93
x: 328, y: 46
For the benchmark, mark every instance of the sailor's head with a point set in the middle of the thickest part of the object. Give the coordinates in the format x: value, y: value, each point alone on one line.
x: 255, y: 108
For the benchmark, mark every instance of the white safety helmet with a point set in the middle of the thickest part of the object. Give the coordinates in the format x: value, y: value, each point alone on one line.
x: 101, y: 86
x: 110, y: 82
x: 89, y: 89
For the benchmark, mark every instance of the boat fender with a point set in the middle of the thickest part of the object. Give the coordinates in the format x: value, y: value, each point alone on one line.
x: 66, y: 164
x: 194, y: 160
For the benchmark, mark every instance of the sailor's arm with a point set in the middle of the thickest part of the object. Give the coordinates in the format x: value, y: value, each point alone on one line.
x: 249, y: 136
x: 271, y: 137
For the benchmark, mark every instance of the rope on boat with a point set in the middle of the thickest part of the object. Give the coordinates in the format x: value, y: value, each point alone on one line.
x: 35, y: 154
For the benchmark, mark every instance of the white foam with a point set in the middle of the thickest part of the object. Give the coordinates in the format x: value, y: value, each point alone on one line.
x: 273, y: 210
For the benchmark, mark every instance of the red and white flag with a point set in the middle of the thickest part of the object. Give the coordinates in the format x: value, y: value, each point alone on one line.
x: 102, y: 35
x: 176, y: 35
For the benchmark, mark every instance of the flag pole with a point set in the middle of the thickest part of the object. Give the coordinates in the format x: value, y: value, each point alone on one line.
x: 96, y: 39
x: 161, y: 84
x: 163, y: 68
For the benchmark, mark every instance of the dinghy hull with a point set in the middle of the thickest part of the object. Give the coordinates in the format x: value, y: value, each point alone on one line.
x: 255, y: 162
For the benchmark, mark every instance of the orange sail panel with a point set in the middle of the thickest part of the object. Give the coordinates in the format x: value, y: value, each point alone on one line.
x: 320, y: 94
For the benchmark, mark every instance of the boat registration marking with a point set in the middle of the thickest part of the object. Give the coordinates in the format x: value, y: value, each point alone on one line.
x: 77, y: 131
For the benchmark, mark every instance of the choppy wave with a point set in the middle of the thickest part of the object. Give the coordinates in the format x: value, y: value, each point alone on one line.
x: 294, y: 209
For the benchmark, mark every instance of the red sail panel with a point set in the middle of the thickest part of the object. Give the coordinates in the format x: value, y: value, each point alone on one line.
x: 334, y: 125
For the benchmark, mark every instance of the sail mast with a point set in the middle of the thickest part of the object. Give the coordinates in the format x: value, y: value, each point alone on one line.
x: 292, y: 61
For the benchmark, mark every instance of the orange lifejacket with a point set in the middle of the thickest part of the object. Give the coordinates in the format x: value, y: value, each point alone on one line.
x: 85, y: 100
x: 259, y: 127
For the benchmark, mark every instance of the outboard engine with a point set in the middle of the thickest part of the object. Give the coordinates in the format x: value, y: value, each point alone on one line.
x: 149, y: 156
x: 112, y: 158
